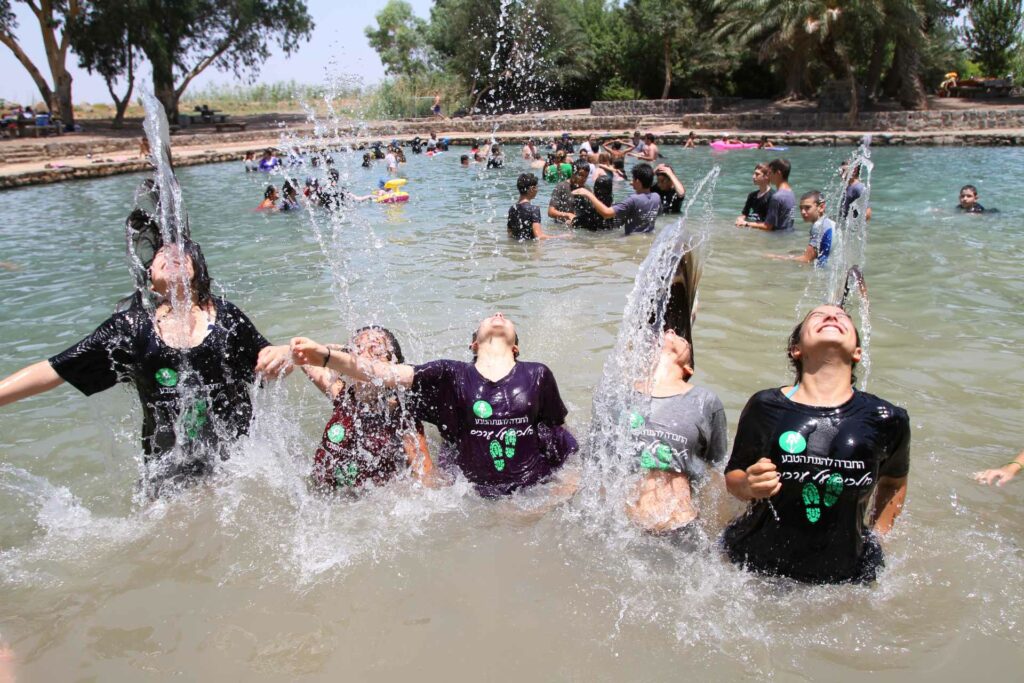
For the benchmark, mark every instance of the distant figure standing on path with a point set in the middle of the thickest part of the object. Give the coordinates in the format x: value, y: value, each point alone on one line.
x: 437, y: 106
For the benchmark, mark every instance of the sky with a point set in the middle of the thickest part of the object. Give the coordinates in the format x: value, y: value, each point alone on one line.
x: 338, y: 35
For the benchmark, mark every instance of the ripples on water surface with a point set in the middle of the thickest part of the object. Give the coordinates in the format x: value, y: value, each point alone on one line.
x: 250, y: 576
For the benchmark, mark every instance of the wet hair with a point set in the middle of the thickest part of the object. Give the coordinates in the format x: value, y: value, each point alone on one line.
x: 781, y: 166
x: 289, y: 189
x: 525, y: 182
x: 619, y: 164
x: 394, y: 353
x: 649, y: 137
x: 644, y: 174
x: 579, y: 166
x: 794, y: 341
x: 472, y: 340
x: 855, y: 173
x: 763, y: 167
x: 603, y: 189
x: 269, y: 192
x: 815, y: 196
x: 660, y: 174
x: 972, y: 188
x: 464, y: 158
x: 604, y: 158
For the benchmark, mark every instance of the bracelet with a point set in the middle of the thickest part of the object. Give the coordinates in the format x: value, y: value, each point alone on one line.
x: 1015, y: 462
x: 328, y: 358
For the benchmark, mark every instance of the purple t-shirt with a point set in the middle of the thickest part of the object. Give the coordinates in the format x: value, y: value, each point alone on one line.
x: 503, y: 435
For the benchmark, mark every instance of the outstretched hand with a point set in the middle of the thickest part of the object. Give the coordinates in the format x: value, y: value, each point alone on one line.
x: 305, y: 351
x: 997, y: 477
x: 273, y: 361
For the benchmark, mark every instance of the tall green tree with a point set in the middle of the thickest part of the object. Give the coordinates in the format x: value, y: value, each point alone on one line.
x: 182, y: 38
x: 994, y: 34
x: 103, y: 37
x: 400, y: 39
x: 53, y: 17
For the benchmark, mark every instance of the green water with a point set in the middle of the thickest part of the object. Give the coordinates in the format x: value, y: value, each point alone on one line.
x: 250, y: 577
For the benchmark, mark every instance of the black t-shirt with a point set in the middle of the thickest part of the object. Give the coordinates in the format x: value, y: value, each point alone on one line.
x: 976, y: 208
x: 830, y: 460
x: 671, y: 201
x: 521, y: 217
x: 198, y: 395
x: 756, y: 208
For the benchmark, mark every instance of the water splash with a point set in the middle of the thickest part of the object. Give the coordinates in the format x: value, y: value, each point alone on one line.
x: 633, y: 359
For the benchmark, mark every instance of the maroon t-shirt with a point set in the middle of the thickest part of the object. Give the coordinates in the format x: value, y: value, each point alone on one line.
x: 363, y: 442
x: 503, y: 435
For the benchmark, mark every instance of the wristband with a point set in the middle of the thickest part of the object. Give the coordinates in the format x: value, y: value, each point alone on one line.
x: 1015, y: 462
x: 328, y: 358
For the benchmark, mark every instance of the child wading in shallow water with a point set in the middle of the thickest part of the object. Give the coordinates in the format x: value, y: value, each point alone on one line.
x: 371, y: 436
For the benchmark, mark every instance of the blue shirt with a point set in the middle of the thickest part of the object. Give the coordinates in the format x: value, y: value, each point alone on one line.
x: 821, y: 240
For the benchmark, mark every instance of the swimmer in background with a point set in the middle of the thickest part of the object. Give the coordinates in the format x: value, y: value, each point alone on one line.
x: 524, y: 217
x: 367, y: 160
x: 1001, y: 475
x: 270, y: 198
x: 822, y: 466
x: 372, y: 435
x: 969, y: 200
x: 648, y: 150
x: 854, y: 191
x: 755, y: 210
x: 530, y: 150
x: 268, y: 162
x: 497, y: 158
x: 464, y: 161
x: 765, y: 143
x: 557, y: 168
x: 691, y: 141
x: 502, y: 420
x: 560, y: 206
x: 618, y: 149
x: 289, y: 196
x: 812, y: 210
x: 681, y: 442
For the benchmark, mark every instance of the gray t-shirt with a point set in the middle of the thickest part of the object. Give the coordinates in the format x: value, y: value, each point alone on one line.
x: 781, y: 210
x: 636, y: 213
x: 685, y: 433
x: 561, y: 198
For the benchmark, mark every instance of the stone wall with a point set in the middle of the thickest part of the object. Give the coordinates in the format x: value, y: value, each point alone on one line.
x: 693, y: 105
x: 970, y: 119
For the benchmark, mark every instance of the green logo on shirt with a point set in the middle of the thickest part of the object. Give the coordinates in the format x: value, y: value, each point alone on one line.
x: 498, y: 453
x: 636, y: 420
x: 336, y: 434
x: 194, y: 418
x: 167, y: 377
x: 656, y: 457
x: 347, y: 475
x: 813, y: 500
x: 482, y: 409
x: 793, y: 442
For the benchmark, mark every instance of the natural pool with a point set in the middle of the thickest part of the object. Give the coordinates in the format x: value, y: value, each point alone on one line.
x: 252, y: 577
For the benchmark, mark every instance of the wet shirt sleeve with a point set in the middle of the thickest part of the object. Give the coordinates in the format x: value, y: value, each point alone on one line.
x: 897, y: 463
x: 748, y: 205
x: 752, y: 435
x: 244, y: 341
x: 552, y: 411
x: 718, y: 439
x: 101, y: 360
x: 432, y: 385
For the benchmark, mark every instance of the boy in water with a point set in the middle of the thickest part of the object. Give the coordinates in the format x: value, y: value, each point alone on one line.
x: 669, y: 188
x: 812, y: 210
x: 502, y: 420
x: 969, y: 200
x: 524, y: 217
x: 782, y: 204
x: 648, y: 150
x: 636, y: 212
x: 756, y: 208
x: 560, y: 208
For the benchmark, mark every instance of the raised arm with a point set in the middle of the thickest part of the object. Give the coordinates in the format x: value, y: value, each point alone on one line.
x: 29, y: 381
x: 308, y: 352
x: 599, y: 206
